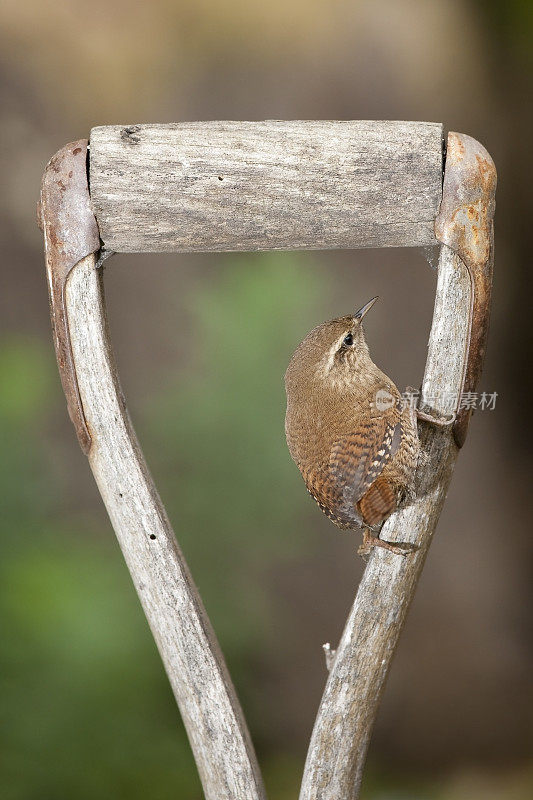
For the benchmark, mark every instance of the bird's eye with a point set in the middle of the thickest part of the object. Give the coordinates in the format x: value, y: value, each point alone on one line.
x: 348, y: 340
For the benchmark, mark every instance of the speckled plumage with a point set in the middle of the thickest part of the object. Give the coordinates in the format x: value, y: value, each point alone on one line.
x: 354, y: 443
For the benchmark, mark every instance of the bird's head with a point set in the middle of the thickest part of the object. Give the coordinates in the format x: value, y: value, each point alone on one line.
x: 334, y: 354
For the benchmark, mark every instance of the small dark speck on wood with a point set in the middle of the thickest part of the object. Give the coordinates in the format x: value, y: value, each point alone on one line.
x: 129, y: 134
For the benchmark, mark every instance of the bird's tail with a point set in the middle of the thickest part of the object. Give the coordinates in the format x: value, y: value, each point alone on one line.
x: 377, y: 502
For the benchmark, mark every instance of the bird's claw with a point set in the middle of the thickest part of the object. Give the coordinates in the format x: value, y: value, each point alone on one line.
x: 370, y: 541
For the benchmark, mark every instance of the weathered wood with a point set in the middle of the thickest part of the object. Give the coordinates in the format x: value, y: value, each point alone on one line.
x: 288, y: 185
x: 188, y: 647
x: 343, y: 727
x: 266, y: 185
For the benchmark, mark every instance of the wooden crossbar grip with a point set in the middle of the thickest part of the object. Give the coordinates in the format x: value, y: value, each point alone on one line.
x: 219, y: 186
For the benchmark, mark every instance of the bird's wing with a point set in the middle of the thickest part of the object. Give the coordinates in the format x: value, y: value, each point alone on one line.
x: 358, y: 459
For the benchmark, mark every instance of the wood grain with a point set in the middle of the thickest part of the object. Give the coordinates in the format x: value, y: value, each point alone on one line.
x: 200, y: 186
x: 188, y: 647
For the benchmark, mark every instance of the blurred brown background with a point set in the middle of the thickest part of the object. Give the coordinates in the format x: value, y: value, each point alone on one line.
x: 202, y: 343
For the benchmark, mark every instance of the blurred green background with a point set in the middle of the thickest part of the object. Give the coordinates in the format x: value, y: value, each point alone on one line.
x: 202, y: 342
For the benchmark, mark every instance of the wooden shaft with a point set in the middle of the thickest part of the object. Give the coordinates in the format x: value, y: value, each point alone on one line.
x: 195, y: 666
x: 219, y: 186
x: 339, y: 743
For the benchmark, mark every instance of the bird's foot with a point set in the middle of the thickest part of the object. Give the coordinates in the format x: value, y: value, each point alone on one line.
x: 416, y: 413
x: 370, y: 541
x: 439, y: 422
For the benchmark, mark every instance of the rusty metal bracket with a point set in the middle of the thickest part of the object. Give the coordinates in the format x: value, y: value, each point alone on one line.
x: 70, y: 233
x: 465, y: 224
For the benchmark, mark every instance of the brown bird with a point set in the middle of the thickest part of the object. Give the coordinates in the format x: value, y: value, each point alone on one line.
x: 347, y: 429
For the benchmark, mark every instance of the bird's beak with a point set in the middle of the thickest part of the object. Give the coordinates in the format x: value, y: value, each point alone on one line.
x: 362, y: 311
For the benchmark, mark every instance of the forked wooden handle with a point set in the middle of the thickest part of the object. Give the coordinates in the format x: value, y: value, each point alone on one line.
x: 245, y: 186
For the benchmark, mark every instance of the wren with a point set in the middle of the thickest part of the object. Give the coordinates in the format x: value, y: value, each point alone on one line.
x: 353, y: 439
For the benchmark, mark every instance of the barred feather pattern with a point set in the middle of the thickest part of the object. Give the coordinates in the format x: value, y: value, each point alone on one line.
x: 357, y: 457
x: 368, y: 475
